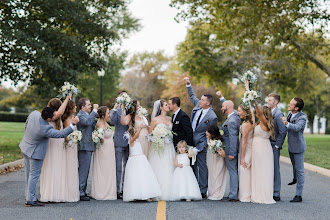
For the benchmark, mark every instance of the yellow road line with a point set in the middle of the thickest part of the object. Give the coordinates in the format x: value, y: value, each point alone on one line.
x: 161, y: 210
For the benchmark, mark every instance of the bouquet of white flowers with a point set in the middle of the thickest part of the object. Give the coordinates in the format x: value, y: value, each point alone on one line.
x: 159, y: 136
x: 214, y: 145
x: 74, y: 137
x: 250, y: 96
x: 142, y: 112
x: 97, y: 136
x: 125, y: 100
x: 67, y: 89
x: 249, y: 76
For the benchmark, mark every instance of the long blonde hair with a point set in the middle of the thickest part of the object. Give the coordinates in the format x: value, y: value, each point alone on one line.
x: 270, y: 121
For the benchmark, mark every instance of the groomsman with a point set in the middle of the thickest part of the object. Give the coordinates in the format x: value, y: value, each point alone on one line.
x: 181, y: 123
x: 231, y: 138
x: 86, y: 146
x: 121, y: 145
x: 34, y: 147
x: 202, y: 116
x: 295, y: 124
x: 280, y: 133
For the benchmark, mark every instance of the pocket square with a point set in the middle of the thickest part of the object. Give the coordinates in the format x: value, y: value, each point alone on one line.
x: 293, y: 121
x: 177, y: 122
x: 225, y: 126
x: 207, y: 121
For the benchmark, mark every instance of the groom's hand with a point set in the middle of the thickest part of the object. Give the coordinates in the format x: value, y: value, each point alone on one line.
x: 219, y: 94
x: 186, y: 79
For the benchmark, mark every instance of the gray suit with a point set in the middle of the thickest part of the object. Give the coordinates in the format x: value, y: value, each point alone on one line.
x: 86, y: 125
x: 297, y: 147
x: 231, y: 138
x: 34, y: 147
x: 200, y: 140
x: 121, y: 144
x: 280, y: 133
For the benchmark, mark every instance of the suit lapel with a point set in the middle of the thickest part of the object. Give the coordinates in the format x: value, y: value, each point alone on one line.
x: 193, y: 113
x: 204, y: 118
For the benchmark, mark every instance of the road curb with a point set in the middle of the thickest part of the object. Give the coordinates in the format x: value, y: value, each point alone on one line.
x: 11, y: 164
x: 308, y: 166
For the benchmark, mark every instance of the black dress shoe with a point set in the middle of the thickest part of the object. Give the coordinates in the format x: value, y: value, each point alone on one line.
x: 297, y: 199
x: 229, y: 200
x: 203, y: 195
x: 294, y: 181
x: 84, y: 198
x: 277, y: 198
x: 119, y: 196
x: 35, y: 204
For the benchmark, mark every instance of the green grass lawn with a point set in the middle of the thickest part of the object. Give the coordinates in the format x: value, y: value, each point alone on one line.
x: 317, y: 152
x: 11, y: 134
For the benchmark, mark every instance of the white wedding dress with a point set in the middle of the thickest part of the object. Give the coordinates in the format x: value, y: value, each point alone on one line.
x: 163, y: 165
x: 140, y: 181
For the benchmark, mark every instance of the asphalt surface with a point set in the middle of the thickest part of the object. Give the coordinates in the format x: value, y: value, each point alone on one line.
x: 315, y: 205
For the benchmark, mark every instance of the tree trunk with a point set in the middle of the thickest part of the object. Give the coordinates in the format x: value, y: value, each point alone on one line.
x: 310, y: 123
x: 312, y: 58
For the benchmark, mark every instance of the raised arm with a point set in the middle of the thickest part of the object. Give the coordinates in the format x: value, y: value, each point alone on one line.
x: 191, y: 92
x: 114, y: 115
x: 253, y: 117
x: 124, y: 119
x: 260, y: 115
x: 61, y: 110
x: 299, y: 125
x: 87, y: 120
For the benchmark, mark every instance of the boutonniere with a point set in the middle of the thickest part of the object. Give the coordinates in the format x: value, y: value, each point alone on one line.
x: 207, y: 121
x: 225, y: 126
x: 177, y: 122
x: 293, y: 121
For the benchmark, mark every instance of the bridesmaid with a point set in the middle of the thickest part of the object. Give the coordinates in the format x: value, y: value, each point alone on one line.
x: 104, y: 186
x: 262, y: 166
x: 71, y: 151
x: 216, y: 167
x: 52, y: 178
x: 244, y: 194
x: 133, y: 119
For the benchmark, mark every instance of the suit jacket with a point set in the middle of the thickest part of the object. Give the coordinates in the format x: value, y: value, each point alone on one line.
x: 182, y: 127
x: 231, y: 133
x: 280, y: 129
x: 36, y: 136
x: 296, y: 139
x: 86, y: 125
x: 199, y: 136
x: 119, y: 128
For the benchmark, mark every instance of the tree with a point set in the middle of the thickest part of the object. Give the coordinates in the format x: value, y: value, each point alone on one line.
x: 49, y: 42
x: 278, y: 25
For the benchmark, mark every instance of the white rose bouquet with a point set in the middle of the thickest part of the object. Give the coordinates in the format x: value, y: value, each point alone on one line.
x: 142, y: 112
x: 250, y: 96
x: 97, y: 137
x: 67, y: 89
x: 159, y: 136
x: 125, y: 100
x: 74, y: 137
x: 214, y: 145
x: 249, y: 76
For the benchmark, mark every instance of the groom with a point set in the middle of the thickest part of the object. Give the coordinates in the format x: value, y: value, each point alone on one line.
x: 86, y: 146
x: 202, y: 116
x: 34, y: 147
x: 181, y: 123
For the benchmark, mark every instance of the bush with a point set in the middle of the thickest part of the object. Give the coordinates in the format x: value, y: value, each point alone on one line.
x: 13, y: 117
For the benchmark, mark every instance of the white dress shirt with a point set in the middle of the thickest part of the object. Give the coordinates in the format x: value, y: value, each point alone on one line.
x: 175, y: 113
x: 200, y: 111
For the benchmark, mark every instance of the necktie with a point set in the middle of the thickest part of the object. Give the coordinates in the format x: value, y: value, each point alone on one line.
x: 199, y: 118
x: 289, y: 117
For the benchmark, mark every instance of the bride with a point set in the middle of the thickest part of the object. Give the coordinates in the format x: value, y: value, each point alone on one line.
x: 161, y: 154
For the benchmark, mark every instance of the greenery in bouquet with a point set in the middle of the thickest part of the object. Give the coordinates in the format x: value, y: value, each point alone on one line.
x: 214, y: 145
x: 74, y: 137
x: 250, y: 96
x: 142, y: 112
x: 67, y: 89
x: 97, y: 137
x: 125, y: 99
x: 159, y: 136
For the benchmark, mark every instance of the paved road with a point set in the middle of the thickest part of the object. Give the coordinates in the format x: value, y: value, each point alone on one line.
x: 316, y: 204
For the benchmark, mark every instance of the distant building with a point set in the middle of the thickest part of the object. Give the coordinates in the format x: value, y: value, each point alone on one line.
x: 318, y: 125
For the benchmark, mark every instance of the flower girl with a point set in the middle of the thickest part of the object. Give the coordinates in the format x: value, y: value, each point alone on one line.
x: 140, y: 181
x: 184, y: 183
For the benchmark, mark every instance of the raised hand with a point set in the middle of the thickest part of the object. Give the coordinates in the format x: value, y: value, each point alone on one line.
x: 247, y: 85
x: 186, y: 79
x: 116, y: 106
x: 75, y: 120
x: 95, y: 106
x: 122, y: 107
x: 218, y: 93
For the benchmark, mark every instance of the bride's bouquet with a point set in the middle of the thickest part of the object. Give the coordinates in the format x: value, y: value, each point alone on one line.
x: 74, y: 137
x: 159, y: 136
x: 97, y: 137
x: 142, y: 112
x: 125, y: 100
x: 67, y: 89
x: 214, y: 145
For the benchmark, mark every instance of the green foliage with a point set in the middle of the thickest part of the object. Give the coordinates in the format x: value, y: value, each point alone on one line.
x: 13, y: 117
x: 49, y: 42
